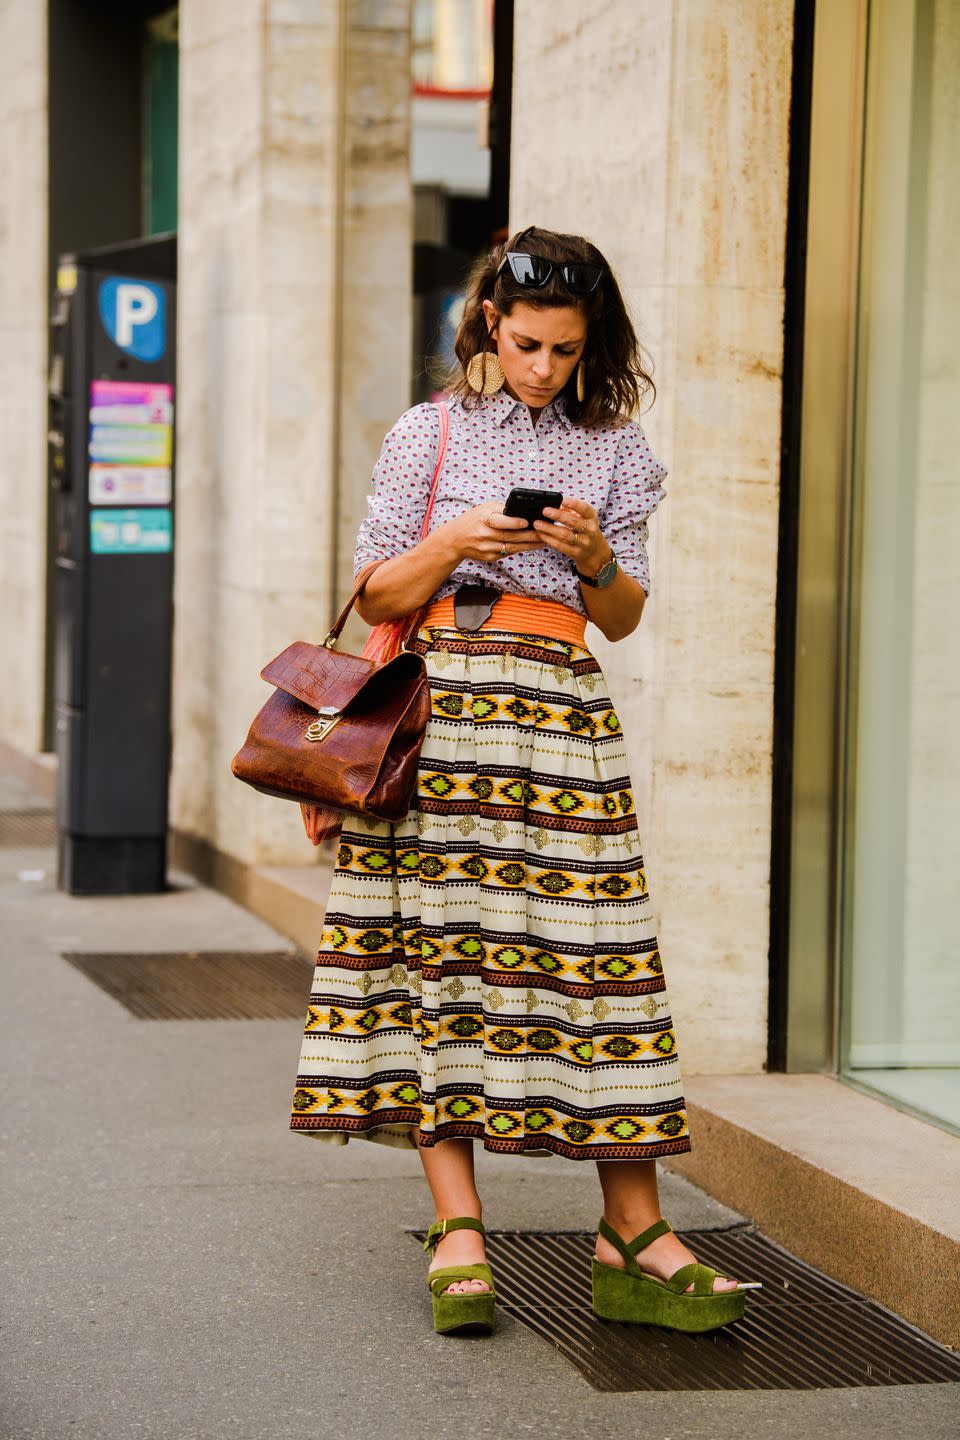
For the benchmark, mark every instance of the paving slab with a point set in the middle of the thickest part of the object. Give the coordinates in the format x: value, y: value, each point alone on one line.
x: 178, y: 1265
x: 18, y: 794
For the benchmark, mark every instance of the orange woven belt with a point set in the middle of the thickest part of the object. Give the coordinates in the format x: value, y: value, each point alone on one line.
x: 521, y: 613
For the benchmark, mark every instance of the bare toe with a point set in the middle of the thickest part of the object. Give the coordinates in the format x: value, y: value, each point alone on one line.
x: 721, y: 1283
x: 460, y: 1247
x: 464, y: 1287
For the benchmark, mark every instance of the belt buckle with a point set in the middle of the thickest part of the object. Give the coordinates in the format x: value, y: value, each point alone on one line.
x: 473, y: 604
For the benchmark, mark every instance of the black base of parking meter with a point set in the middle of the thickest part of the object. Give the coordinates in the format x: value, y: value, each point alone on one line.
x: 88, y: 866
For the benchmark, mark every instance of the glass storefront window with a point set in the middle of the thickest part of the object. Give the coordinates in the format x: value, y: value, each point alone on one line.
x: 900, y: 986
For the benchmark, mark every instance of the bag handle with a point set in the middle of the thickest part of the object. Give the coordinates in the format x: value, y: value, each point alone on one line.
x: 444, y: 418
x: 341, y: 620
x: 368, y: 569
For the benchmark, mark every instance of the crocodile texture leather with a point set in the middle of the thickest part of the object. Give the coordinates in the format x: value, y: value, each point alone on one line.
x: 318, y: 676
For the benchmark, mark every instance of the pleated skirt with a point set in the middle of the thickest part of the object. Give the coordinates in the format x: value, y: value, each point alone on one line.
x: 489, y: 966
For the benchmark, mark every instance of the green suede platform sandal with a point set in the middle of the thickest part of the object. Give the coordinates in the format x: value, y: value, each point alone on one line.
x: 465, y: 1311
x: 630, y: 1294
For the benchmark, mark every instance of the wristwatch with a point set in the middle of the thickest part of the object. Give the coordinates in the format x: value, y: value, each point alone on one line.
x: 604, y: 575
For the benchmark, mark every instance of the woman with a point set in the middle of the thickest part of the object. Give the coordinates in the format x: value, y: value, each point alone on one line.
x: 489, y: 969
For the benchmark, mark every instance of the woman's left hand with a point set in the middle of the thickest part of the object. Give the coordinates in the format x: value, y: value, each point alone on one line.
x: 573, y: 528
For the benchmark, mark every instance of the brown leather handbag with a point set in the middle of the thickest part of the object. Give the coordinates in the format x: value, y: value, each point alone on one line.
x: 340, y: 730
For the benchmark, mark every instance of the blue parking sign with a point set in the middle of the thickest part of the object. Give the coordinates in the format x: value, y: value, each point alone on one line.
x: 133, y: 313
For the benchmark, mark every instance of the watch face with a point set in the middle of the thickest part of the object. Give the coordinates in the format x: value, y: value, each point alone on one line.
x: 607, y: 573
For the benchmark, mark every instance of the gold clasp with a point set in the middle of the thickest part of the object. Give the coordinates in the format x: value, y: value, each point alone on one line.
x: 328, y: 717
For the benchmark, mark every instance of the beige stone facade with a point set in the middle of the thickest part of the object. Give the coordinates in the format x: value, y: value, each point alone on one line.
x: 293, y: 185
x: 23, y: 364
x: 668, y: 145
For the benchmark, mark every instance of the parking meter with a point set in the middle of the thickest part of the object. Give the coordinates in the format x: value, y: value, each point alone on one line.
x: 111, y: 471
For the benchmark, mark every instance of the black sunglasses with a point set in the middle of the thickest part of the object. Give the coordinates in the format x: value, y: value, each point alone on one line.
x: 533, y: 272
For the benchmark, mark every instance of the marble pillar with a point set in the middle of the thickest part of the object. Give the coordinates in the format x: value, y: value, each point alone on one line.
x: 293, y: 362
x: 661, y: 131
x: 23, y: 360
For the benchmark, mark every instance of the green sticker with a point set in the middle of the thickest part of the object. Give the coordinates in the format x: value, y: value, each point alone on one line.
x: 131, y: 532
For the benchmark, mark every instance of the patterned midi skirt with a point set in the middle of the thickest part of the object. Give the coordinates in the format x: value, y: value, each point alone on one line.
x: 489, y: 966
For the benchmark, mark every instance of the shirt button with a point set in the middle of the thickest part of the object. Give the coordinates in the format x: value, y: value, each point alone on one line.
x: 533, y: 453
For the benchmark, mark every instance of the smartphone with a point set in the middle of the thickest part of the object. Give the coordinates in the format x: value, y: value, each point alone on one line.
x: 527, y: 503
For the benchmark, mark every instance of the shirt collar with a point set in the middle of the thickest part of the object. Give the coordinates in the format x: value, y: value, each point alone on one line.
x: 559, y: 408
x: 501, y: 406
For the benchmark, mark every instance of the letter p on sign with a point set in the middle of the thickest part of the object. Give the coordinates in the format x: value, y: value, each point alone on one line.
x: 133, y: 313
x: 136, y: 305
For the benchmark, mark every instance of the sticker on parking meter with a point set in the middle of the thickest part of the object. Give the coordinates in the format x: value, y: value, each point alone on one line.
x: 130, y: 532
x: 125, y: 484
x: 134, y: 316
x: 128, y: 402
x: 132, y: 444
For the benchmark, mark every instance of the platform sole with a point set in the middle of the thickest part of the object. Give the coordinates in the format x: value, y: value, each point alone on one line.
x: 463, y: 1313
x: 642, y: 1301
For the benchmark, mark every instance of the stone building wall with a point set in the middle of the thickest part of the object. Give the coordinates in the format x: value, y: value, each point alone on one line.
x: 23, y: 361
x: 294, y: 316
x: 661, y: 131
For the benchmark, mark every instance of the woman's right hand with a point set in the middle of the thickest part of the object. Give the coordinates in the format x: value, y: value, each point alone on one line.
x: 482, y: 532
x: 399, y: 586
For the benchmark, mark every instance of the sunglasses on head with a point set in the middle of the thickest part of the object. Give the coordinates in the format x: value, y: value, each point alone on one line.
x: 533, y: 272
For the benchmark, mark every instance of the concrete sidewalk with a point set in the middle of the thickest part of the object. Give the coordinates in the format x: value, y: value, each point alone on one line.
x: 180, y: 1266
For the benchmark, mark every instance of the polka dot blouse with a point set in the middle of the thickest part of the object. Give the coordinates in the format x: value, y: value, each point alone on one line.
x: 490, y: 449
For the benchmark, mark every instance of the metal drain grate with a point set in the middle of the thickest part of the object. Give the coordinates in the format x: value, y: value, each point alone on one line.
x: 27, y: 827
x: 207, y: 985
x: 803, y: 1331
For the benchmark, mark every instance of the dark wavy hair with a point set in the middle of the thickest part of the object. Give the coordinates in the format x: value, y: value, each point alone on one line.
x: 615, y: 380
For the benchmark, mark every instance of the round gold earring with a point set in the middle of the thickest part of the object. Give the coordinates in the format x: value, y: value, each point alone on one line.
x: 485, y: 373
x: 581, y: 389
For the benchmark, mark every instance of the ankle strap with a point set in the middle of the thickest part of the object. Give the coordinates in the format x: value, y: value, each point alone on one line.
x: 440, y: 1227
x: 639, y: 1242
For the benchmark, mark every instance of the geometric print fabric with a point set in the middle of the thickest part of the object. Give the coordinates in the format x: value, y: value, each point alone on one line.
x: 488, y: 966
